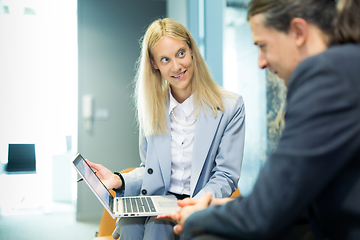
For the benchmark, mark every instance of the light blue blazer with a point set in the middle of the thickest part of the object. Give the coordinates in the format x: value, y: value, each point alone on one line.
x: 217, y: 156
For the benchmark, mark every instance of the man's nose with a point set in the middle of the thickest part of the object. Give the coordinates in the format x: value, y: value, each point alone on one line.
x: 262, y: 61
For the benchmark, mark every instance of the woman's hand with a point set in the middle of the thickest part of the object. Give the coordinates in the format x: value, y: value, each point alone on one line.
x: 108, y: 178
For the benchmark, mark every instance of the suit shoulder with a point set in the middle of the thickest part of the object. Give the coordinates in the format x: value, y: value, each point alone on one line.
x: 233, y: 102
x: 340, y: 63
x: 350, y: 50
x: 338, y: 57
x: 232, y: 99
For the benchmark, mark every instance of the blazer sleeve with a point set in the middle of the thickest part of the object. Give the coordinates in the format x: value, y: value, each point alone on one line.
x: 320, y: 130
x: 228, y: 152
x: 133, y: 179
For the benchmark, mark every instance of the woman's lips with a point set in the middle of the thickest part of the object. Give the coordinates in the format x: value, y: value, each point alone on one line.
x: 179, y: 76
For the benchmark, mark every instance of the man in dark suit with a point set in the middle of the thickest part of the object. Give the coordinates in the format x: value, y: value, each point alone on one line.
x: 316, y: 166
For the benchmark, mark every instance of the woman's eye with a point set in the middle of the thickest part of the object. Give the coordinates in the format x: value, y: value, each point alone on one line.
x: 164, y: 60
x: 181, y: 54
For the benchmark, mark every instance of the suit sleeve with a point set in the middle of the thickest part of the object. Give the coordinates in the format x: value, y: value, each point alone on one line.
x: 228, y: 159
x: 319, y: 125
x: 133, y: 179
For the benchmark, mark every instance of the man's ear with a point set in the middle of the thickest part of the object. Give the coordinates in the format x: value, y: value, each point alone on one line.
x: 299, y: 29
x: 153, y: 63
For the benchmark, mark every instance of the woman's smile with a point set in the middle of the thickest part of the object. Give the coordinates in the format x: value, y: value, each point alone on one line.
x: 180, y: 76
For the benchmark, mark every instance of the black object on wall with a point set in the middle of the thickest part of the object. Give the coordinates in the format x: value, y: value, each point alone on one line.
x: 21, y: 158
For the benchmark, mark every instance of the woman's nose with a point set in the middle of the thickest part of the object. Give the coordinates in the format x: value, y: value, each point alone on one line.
x: 176, y: 66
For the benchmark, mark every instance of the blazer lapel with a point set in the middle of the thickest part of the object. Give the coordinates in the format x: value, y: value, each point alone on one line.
x: 206, y: 127
x: 163, y: 150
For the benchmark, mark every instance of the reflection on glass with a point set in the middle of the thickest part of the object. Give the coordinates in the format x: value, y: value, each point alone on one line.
x: 94, y: 182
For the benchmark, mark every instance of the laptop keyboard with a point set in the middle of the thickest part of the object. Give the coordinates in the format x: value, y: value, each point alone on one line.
x: 137, y: 204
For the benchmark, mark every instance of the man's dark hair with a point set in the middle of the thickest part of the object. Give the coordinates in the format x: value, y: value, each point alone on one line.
x: 347, y: 24
x: 279, y: 13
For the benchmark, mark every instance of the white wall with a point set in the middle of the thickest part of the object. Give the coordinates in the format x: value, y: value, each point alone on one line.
x: 38, y: 81
x: 177, y: 10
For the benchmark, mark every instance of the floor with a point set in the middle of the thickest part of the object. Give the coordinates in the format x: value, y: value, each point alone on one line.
x: 26, y: 214
x: 59, y: 223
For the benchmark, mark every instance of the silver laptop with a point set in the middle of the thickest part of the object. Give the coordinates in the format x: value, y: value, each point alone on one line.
x: 124, y: 206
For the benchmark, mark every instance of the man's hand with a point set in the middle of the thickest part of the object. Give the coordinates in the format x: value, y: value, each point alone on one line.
x: 175, y: 217
x: 182, y: 203
x: 189, y: 206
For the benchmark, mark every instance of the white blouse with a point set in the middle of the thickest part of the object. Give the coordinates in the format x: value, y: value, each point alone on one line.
x: 182, y: 141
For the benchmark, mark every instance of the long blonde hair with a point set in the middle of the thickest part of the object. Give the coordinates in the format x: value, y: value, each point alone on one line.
x: 151, y: 89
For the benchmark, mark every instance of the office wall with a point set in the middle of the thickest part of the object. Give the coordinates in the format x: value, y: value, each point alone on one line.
x: 242, y: 75
x: 109, y: 33
x: 177, y: 10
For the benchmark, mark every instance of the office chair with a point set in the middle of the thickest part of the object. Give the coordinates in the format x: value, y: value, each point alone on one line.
x: 21, y: 158
x: 108, y: 224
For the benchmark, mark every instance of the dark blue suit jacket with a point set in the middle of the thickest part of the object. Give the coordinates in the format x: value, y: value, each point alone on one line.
x: 316, y: 165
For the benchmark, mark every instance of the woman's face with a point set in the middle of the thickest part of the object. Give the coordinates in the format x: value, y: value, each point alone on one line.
x: 173, y: 58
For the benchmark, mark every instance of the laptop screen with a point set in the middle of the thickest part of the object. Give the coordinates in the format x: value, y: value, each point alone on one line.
x: 94, y: 182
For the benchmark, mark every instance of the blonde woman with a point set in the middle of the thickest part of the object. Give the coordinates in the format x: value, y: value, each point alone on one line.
x: 316, y: 166
x: 191, y: 129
